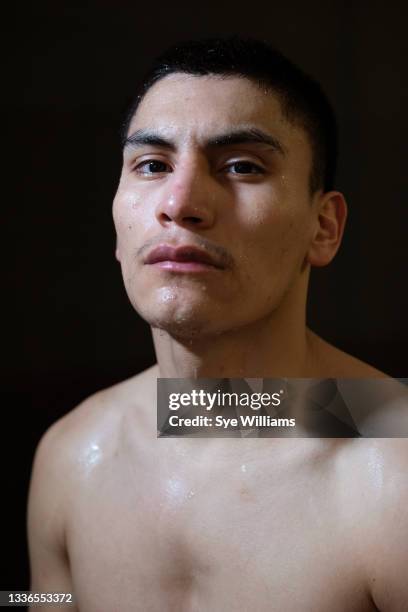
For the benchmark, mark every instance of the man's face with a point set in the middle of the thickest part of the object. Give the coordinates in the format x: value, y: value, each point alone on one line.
x: 213, y: 164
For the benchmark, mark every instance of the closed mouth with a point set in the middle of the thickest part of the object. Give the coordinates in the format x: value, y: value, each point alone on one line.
x: 167, y: 254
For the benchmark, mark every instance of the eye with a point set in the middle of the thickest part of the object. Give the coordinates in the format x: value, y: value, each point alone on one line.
x: 245, y: 167
x: 152, y: 166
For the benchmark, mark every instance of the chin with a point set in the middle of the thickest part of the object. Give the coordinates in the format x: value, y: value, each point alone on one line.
x: 181, y: 319
x: 181, y: 326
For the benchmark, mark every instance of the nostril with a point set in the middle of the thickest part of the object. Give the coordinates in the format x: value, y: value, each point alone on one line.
x: 193, y: 219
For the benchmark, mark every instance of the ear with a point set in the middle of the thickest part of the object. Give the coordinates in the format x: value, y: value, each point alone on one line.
x: 329, y: 229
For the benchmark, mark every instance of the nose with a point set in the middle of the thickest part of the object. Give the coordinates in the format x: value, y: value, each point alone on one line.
x: 188, y: 198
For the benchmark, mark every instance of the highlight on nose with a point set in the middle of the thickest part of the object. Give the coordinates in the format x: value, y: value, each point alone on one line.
x: 183, y: 207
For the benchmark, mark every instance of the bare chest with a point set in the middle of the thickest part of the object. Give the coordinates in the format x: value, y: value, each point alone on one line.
x: 229, y: 535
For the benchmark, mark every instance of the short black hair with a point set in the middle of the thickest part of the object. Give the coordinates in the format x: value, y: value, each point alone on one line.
x: 302, y: 99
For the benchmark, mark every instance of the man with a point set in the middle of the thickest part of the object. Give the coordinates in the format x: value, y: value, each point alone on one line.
x: 225, y: 203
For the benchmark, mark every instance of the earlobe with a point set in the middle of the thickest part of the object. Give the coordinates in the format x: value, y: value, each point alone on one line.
x: 117, y: 254
x: 330, y: 223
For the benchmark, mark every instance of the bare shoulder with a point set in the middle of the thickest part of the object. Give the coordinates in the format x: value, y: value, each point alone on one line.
x: 69, y: 455
x: 94, y: 424
x: 88, y: 434
x: 378, y: 468
x: 386, y: 522
x: 370, y: 501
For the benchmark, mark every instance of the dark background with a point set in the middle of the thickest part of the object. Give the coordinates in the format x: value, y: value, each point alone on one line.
x: 78, y: 63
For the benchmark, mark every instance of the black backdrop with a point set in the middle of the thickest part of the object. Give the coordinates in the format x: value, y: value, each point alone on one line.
x: 80, y: 62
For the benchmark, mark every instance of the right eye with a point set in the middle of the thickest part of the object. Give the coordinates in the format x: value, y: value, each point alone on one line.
x: 152, y: 166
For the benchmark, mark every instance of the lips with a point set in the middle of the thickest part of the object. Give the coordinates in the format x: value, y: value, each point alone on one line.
x: 182, y: 255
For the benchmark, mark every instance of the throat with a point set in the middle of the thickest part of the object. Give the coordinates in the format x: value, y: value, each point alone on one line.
x: 253, y: 353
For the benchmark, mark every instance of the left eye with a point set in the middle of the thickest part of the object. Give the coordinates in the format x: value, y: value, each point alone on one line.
x: 245, y: 167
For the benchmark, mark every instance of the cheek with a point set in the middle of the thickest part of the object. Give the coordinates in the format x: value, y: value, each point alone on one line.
x: 129, y: 218
x: 275, y: 241
x: 267, y: 224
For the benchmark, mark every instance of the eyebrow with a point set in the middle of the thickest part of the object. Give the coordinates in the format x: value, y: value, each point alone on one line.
x: 233, y: 137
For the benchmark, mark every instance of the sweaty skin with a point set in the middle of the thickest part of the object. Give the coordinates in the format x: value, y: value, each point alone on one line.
x: 128, y: 521
x: 131, y: 522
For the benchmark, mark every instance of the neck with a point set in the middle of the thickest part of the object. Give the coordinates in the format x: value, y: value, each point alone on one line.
x: 267, y: 348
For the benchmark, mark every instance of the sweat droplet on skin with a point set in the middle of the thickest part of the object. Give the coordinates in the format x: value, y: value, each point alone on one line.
x: 166, y: 294
x: 90, y: 458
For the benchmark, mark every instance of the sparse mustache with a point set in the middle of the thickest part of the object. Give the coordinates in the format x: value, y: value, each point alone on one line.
x: 216, y: 250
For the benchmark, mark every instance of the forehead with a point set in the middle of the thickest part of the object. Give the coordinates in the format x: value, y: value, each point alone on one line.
x: 191, y: 107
